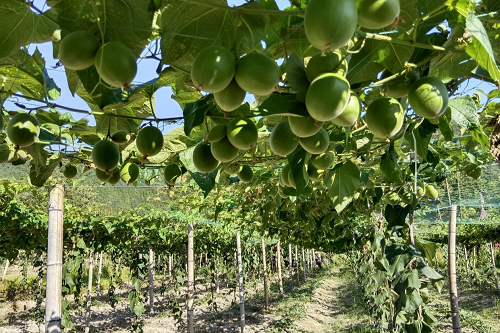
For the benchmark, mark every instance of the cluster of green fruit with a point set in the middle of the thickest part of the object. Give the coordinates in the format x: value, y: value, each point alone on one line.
x: 22, y: 131
x: 115, y: 63
x: 409, y: 198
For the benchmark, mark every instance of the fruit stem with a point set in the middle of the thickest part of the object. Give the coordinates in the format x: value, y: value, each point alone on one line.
x: 401, y: 42
x: 247, y: 10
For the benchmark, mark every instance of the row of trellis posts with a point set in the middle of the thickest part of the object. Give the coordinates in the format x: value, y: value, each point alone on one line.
x: 55, y: 261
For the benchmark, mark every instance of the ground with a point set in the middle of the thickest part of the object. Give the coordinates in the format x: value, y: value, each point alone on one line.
x: 330, y: 301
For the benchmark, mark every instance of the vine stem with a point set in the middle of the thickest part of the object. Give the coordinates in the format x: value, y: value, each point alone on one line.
x: 400, y: 41
x: 425, y: 18
x: 247, y: 10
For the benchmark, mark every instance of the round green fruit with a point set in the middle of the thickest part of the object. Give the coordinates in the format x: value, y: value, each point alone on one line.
x: 323, y: 161
x: 420, y: 191
x: 203, y: 159
x: 172, y: 172
x: 304, y: 127
x: 314, y: 173
x: 116, y: 64
x: 232, y: 168
x: 120, y: 137
x: 377, y: 14
x: 431, y: 192
x: 5, y: 153
x: 393, y: 198
x: 327, y: 96
x: 284, y: 175
x: 400, y: 86
x: 217, y: 133
x: 129, y: 173
x: 428, y: 97
x: 115, y: 177
x: 257, y: 73
x: 23, y: 130
x: 316, y: 144
x: 223, y: 150
x: 245, y: 174
x: 406, y: 197
x: 105, y: 155
x: 351, y: 113
x: 149, y: 141
x: 103, y: 176
x: 384, y: 117
x: 242, y: 133
x: 70, y: 171
x: 329, y: 25
x: 282, y: 140
x: 77, y: 50
x: 213, y: 69
x: 330, y: 62
x: 231, y: 97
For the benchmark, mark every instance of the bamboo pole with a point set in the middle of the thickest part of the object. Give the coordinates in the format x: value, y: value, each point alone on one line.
x: 54, y: 261
x: 278, y: 263
x: 466, y: 260
x: 217, y: 279
x: 89, y: 291
x: 170, y: 261
x: 410, y: 228
x: 265, y: 271
x: 151, y: 281
x: 5, y: 269
x: 304, y: 265
x: 190, y: 273
x: 240, y: 283
x: 474, y: 258
x: 313, y: 259
x: 99, y: 273
x: 494, y: 264
x: 290, y: 265
x: 297, y: 269
x: 452, y: 270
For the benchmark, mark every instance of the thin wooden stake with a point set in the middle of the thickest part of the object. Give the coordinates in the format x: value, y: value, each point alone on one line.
x: 89, y: 291
x: 170, y: 260
x: 494, y: 264
x: 217, y: 280
x: 452, y: 270
x: 264, y: 268
x: 5, y: 269
x: 54, y: 261
x: 151, y: 281
x: 99, y: 273
x: 240, y: 283
x: 290, y: 266
x: 278, y: 263
x: 466, y: 260
x: 304, y: 264
x: 190, y: 273
x: 297, y: 269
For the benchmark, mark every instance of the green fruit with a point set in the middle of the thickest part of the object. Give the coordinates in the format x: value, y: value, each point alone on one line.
x: 393, y: 198
x: 420, y: 191
x: 103, y: 176
x: 245, y: 174
x: 351, y: 113
x: 406, y: 197
x: 70, y: 171
x: 257, y: 73
x: 223, y: 150
x: 129, y: 173
x: 330, y: 62
x: 149, y: 141
x: 115, y: 177
x: 377, y: 14
x: 316, y: 144
x: 384, y: 117
x: 116, y: 64
x: 323, y: 161
x: 5, y: 153
x: 314, y: 173
x: 330, y: 24
x: 242, y: 133
x: 231, y: 97
x: 428, y: 97
x: 400, y: 86
x: 78, y: 50
x: 282, y: 140
x: 291, y: 180
x: 120, y: 137
x: 217, y: 133
x: 284, y: 175
x: 203, y: 159
x: 213, y: 69
x: 431, y: 192
x: 23, y: 130
x: 415, y: 201
x: 327, y: 96
x: 105, y: 155
x: 232, y: 168
x: 172, y: 172
x: 304, y: 127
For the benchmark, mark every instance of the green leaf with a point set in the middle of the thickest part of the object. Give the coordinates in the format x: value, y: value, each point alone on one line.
x: 296, y: 75
x: 430, y: 273
x: 413, y: 280
x: 445, y: 126
x: 480, y: 49
x: 194, y: 113
x: 473, y: 170
x: 464, y: 112
x: 38, y: 178
x: 390, y: 168
x: 413, y: 301
x: 39, y: 156
x: 205, y: 181
x: 396, y: 215
x: 344, y: 180
x: 297, y: 160
x: 281, y: 104
x: 251, y: 28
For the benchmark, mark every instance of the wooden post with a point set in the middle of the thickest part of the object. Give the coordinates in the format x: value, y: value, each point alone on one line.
x: 5, y: 269
x: 466, y: 260
x: 278, y: 263
x: 265, y: 271
x: 474, y: 258
x: 240, y: 282
x: 99, y: 273
x: 217, y: 274
x: 89, y: 291
x: 151, y: 281
x: 494, y: 264
x: 452, y: 270
x: 170, y: 260
x: 304, y: 264
x: 313, y: 259
x: 290, y: 265
x: 54, y: 261
x: 297, y: 269
x: 190, y: 273
x: 410, y: 228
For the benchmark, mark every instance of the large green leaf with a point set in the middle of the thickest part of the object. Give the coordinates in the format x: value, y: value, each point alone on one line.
x: 464, y: 112
x: 296, y: 75
x: 39, y: 175
x: 344, y: 180
x: 297, y: 160
x: 390, y: 168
